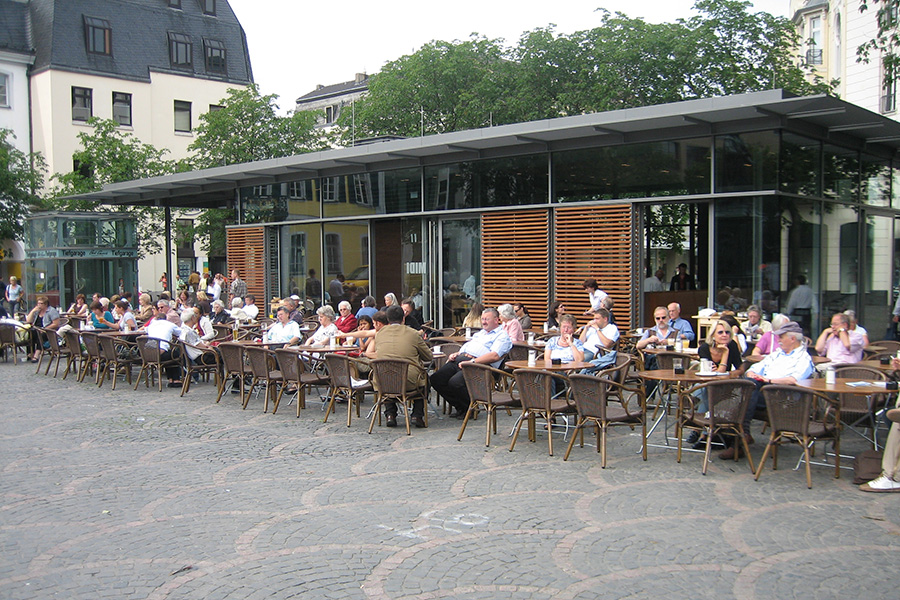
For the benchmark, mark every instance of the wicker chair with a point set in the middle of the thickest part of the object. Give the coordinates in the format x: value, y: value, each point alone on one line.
x: 75, y: 357
x: 592, y: 396
x: 9, y: 342
x: 91, y: 342
x: 207, y: 363
x: 296, y: 371
x: 518, y: 351
x: 152, y: 360
x: 489, y: 389
x: 389, y: 377
x: 860, y: 411
x: 117, y: 357
x: 728, y: 401
x: 56, y: 351
x: 801, y: 416
x: 535, y: 387
x: 341, y: 371
x: 264, y: 367
x: 234, y: 368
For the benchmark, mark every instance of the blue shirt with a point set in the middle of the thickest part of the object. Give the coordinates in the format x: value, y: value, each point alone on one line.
x: 366, y: 310
x: 485, y: 341
x: 684, y: 327
x: 564, y: 353
x: 778, y: 364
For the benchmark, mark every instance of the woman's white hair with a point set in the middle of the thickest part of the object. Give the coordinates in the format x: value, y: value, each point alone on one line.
x: 344, y: 303
x: 326, y: 311
x: 507, y: 311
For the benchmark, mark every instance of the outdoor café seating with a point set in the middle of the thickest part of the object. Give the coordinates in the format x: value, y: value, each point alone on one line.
x: 345, y: 384
x: 489, y: 389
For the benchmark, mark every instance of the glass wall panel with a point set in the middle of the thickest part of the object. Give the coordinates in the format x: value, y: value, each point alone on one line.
x: 365, y: 194
x: 346, y: 262
x: 746, y: 161
x: 801, y: 164
x: 877, y: 298
x: 841, y: 260
x: 300, y: 263
x: 280, y: 202
x: 511, y: 181
x: 768, y: 248
x: 875, y: 181
x: 841, y: 173
x: 634, y: 171
x: 460, y: 268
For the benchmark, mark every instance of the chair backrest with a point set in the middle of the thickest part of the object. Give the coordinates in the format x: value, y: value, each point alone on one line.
x: 262, y: 360
x: 91, y: 343
x: 589, y: 392
x: 890, y: 346
x: 664, y: 359
x: 389, y: 376
x: 73, y: 340
x: 535, y: 387
x: 107, y: 347
x: 52, y: 338
x: 339, y: 370
x: 223, y: 332
x: 519, y: 351
x: 480, y: 381
x: 619, y: 371
x: 7, y: 334
x: 729, y: 399
x: 148, y: 347
x: 289, y: 363
x: 792, y: 408
x: 233, y: 356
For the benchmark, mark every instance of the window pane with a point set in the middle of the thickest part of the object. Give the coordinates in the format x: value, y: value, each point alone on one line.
x: 800, y: 165
x: 122, y: 108
x: 512, y: 181
x: 840, y: 263
x: 746, y: 161
x: 215, y: 56
x: 182, y: 115
x: 345, y: 243
x: 875, y: 181
x: 878, y: 287
x: 82, y: 104
x: 841, y: 173
x: 4, y: 89
x: 300, y: 252
x: 180, y: 50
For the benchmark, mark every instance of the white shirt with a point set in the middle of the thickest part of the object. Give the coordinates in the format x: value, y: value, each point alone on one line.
x: 214, y: 290
x: 596, y: 298
x: 802, y: 297
x: 189, y: 336
x: 283, y: 333
x: 209, y: 332
x: 778, y: 364
x: 163, y: 330
x: 252, y: 310
x: 320, y: 337
x: 484, y: 342
x: 653, y: 284
x: 592, y: 341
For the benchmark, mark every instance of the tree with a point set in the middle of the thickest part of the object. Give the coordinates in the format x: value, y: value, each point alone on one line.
x: 109, y: 155
x: 623, y: 63
x: 247, y: 127
x: 886, y: 41
x: 21, y: 177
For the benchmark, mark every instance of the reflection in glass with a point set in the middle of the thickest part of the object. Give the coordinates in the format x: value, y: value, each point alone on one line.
x: 746, y: 161
x: 346, y: 252
x: 841, y: 173
x: 513, y: 181
x: 384, y: 192
x: 300, y: 263
x: 461, y: 268
x: 633, y: 171
x: 878, y: 284
x: 875, y: 181
x: 800, y: 164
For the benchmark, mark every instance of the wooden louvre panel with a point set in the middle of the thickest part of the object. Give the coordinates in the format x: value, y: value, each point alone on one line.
x: 515, y: 251
x: 595, y: 243
x: 246, y: 252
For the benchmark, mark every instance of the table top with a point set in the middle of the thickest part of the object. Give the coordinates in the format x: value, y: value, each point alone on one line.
x: 874, y: 364
x: 755, y: 358
x: 119, y: 333
x: 840, y: 386
x: 687, y: 351
x: 537, y: 345
x: 669, y: 375
x: 548, y: 366
x: 323, y: 349
x: 875, y: 349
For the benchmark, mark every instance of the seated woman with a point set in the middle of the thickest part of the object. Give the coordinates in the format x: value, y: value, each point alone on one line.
x: 102, y: 319
x: 327, y: 329
x: 768, y: 343
x: 284, y: 330
x: 79, y: 307
x: 523, y: 315
x: 124, y: 317
x: 736, y: 333
x: 511, y: 324
x: 204, y: 327
x: 347, y: 321
x: 182, y: 301
x: 390, y: 299
x: 364, y: 334
x: 145, y: 308
x: 219, y: 315
x: 755, y: 325
x: 565, y: 346
x: 473, y: 319
x: 553, y: 315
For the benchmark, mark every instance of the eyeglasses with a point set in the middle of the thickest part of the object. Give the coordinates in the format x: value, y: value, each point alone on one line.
x: 721, y: 331
x: 661, y: 318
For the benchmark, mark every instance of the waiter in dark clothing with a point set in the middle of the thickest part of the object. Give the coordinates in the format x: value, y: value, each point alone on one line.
x: 682, y: 280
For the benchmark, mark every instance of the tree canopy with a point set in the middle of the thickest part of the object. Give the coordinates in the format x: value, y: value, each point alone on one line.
x: 21, y: 177
x: 625, y: 62
x: 886, y: 42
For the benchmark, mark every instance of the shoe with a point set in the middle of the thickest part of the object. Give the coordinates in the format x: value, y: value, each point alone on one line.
x: 893, y: 415
x: 728, y: 453
x: 174, y: 384
x: 693, y: 438
x: 419, y: 422
x: 882, y: 484
x: 391, y: 422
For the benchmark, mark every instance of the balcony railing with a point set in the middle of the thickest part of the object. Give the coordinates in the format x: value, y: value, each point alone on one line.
x: 813, y: 57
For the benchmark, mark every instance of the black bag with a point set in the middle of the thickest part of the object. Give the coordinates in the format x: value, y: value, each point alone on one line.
x: 867, y: 466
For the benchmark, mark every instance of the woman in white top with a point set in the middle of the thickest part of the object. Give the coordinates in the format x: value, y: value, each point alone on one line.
x: 124, y: 317
x: 327, y: 329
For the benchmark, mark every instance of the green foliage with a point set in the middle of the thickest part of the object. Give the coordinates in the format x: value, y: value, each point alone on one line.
x: 886, y: 41
x: 248, y: 128
x: 623, y: 63
x: 21, y: 177
x: 109, y: 155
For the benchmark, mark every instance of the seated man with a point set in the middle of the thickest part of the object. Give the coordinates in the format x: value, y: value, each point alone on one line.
x: 410, y: 316
x: 785, y: 366
x: 237, y: 311
x: 190, y: 318
x: 890, y: 460
x: 283, y: 330
x: 487, y: 346
x: 164, y: 330
x: 45, y: 316
x: 396, y: 340
x: 600, y: 338
x: 681, y: 326
x: 839, y: 343
x: 250, y: 307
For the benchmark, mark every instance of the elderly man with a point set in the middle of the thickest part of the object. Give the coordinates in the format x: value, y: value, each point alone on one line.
x: 396, y: 340
x: 655, y: 282
x: 681, y: 326
x: 237, y: 311
x: 785, y: 366
x: 294, y: 312
x: 599, y: 338
x: 250, y: 307
x: 283, y: 330
x: 164, y: 330
x: 839, y: 343
x: 410, y: 318
x: 189, y: 318
x: 488, y: 346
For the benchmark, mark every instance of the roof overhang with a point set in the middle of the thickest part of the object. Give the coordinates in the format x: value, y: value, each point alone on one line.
x: 822, y: 117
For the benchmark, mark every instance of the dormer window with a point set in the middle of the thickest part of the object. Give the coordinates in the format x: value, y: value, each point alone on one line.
x: 98, y: 36
x: 208, y: 7
x: 180, y: 50
x: 175, y: 4
x: 214, y: 51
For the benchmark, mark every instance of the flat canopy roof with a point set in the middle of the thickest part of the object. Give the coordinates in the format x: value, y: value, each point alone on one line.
x: 823, y: 117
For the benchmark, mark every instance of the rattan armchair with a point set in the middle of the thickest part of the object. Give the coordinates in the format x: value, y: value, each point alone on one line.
x: 94, y: 358
x: 264, y: 367
x: 728, y: 401
x: 56, y: 351
x: 153, y: 360
x: 296, y: 371
x: 117, y: 356
x: 9, y: 342
x: 235, y: 369
x: 603, y: 402
x: 860, y: 412
x: 206, y: 364
x: 389, y: 377
x: 76, y: 357
x: 342, y: 372
x: 535, y: 388
x: 801, y: 416
x: 489, y: 389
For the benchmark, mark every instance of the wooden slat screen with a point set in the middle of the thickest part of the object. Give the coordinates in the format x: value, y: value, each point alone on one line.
x: 515, y: 251
x: 246, y: 252
x: 596, y: 243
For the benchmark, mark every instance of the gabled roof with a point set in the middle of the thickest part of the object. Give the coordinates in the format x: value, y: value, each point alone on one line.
x: 336, y: 89
x: 824, y: 117
x: 139, y: 37
x: 14, y: 27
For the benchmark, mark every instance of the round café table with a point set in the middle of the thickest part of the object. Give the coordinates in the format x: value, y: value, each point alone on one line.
x: 755, y: 358
x: 549, y: 366
x: 679, y: 379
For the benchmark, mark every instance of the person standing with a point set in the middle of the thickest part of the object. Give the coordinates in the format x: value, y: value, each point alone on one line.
x: 214, y: 289
x: 15, y: 295
x: 595, y: 295
x: 313, y: 288
x: 238, y: 287
x: 164, y: 281
x: 802, y: 304
x: 682, y: 281
x: 193, y: 282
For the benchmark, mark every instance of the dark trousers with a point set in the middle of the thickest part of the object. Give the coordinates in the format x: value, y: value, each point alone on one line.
x: 448, y: 381
x: 757, y: 400
x: 173, y: 372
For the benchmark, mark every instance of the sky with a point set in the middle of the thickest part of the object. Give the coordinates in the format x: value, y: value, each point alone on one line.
x: 296, y: 45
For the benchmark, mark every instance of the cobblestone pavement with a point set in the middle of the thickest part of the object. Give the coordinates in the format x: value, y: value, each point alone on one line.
x: 124, y: 494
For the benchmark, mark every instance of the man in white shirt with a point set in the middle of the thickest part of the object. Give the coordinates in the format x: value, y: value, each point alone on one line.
x: 802, y: 305
x: 250, y: 307
x: 284, y: 330
x: 655, y: 282
x: 164, y: 330
x: 488, y: 346
x: 597, y: 334
x: 214, y: 289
